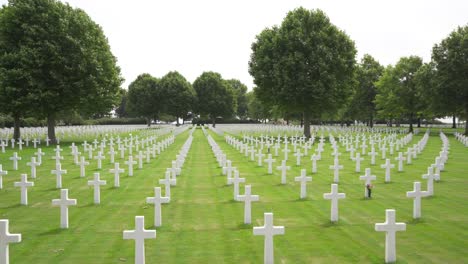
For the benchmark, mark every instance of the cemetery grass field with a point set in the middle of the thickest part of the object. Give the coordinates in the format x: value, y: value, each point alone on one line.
x: 202, y: 223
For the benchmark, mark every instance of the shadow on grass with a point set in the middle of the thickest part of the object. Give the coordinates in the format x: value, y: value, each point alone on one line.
x: 243, y: 226
x: 12, y: 206
x: 415, y: 221
x: 307, y: 199
x: 54, y: 231
x: 330, y: 224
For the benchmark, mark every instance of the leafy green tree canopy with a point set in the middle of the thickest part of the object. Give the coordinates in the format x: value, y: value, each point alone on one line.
x: 240, y: 91
x: 214, y: 96
x: 144, y: 97
x: 451, y: 62
x: 59, y: 56
x: 178, y: 95
x: 305, y: 65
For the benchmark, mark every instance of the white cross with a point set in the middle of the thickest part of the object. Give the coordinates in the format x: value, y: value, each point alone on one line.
x: 372, y: 154
x: 2, y: 172
x: 97, y: 187
x: 247, y: 198
x: 174, y: 169
x: 417, y: 194
x: 235, y: 181
x: 268, y: 230
x: 15, y: 159
x: 57, y: 158
x: 63, y: 202
x: 82, y: 165
x: 283, y: 169
x: 24, y: 185
x: 286, y: 150
x: 228, y: 171
x: 270, y: 161
x: 298, y: 155
x: 157, y: 200
x: 116, y: 170
x: 122, y: 151
x: 20, y: 144
x: 99, y: 159
x: 400, y: 160
x: 75, y: 153
x: 358, y: 160
x: 58, y: 172
x: 334, y: 196
x: 6, y: 238
x: 33, y: 164
x: 260, y: 156
x: 387, y: 166
x: 35, y: 142
x: 368, y: 178
x: 303, y: 179
x: 384, y: 151
x: 390, y: 227
x: 336, y: 167
x: 167, y: 182
x: 130, y: 164
x: 140, y: 159
x: 39, y: 155
x: 2, y: 145
x: 12, y: 143
x: 139, y: 235
x: 111, y: 154
x: 409, y: 155
x: 314, y: 159
x: 430, y: 176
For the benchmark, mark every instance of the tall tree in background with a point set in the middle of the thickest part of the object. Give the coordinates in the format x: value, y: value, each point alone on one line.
x: 144, y: 97
x: 398, y: 93
x: 63, y: 55
x: 363, y: 102
x: 178, y: 95
x: 214, y: 96
x: 240, y: 91
x: 121, y: 110
x: 451, y: 62
x: 305, y: 65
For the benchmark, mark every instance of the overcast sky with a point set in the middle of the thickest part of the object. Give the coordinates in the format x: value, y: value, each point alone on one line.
x: 193, y: 36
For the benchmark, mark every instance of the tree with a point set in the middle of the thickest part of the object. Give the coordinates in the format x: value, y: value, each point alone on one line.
x: 256, y: 110
x: 240, y: 91
x: 214, y: 96
x: 144, y: 97
x: 450, y: 58
x: 398, y: 93
x: 178, y: 95
x: 306, y: 65
x: 121, y: 110
x: 368, y: 72
x: 63, y: 55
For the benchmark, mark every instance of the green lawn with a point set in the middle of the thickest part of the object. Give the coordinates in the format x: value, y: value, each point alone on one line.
x: 202, y: 224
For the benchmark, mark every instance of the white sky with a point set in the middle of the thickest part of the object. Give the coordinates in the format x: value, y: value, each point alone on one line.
x: 193, y: 36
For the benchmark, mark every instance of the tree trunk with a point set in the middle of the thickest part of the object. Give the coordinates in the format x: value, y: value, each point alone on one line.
x: 306, y: 125
x: 454, y: 121
x: 419, y: 122
x: 178, y: 124
x: 16, y: 130
x: 302, y: 121
x: 411, y: 123
x: 213, y: 120
x: 148, y: 122
x: 466, y: 120
x: 371, y: 121
x: 51, y: 128
x: 390, y: 123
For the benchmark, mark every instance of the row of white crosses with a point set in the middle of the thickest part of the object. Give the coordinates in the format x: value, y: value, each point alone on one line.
x: 64, y: 202
x: 462, y: 138
x: 140, y: 234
